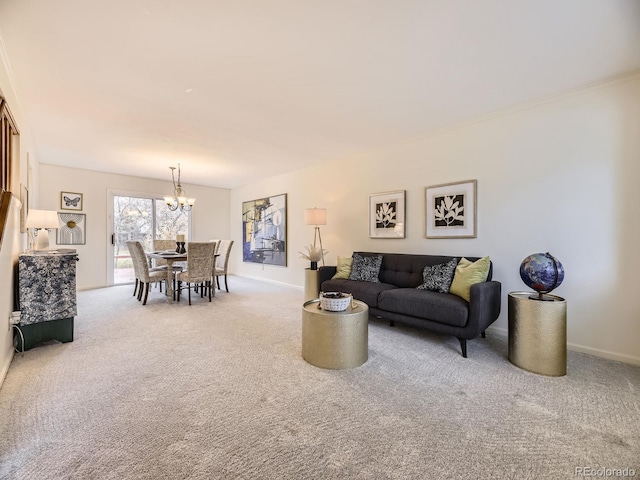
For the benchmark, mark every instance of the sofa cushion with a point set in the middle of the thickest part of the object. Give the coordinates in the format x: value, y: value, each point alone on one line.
x: 343, y: 270
x: 405, y: 270
x: 467, y: 274
x: 438, y: 307
x: 366, y: 269
x: 438, y: 277
x: 366, y: 292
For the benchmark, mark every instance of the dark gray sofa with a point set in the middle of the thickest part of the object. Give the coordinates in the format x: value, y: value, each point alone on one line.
x: 396, y: 298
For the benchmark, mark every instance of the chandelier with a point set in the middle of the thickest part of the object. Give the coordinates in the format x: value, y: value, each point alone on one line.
x: 179, y: 199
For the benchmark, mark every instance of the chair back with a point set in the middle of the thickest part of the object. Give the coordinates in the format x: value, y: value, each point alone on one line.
x: 217, y: 243
x: 133, y: 253
x: 140, y: 261
x: 224, y: 250
x: 160, y: 245
x: 200, y: 261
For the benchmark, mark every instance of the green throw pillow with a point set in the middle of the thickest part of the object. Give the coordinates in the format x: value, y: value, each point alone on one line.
x: 467, y: 274
x: 344, y: 267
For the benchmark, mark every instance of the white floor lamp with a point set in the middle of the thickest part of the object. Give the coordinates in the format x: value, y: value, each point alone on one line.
x: 316, y: 216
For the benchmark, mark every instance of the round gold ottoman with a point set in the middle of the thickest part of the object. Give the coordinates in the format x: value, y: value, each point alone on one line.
x: 335, y: 340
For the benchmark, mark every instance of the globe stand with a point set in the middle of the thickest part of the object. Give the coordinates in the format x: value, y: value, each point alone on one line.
x: 542, y: 297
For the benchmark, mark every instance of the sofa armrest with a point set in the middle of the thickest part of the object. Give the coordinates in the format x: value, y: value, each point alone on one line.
x: 484, y: 307
x: 326, y: 273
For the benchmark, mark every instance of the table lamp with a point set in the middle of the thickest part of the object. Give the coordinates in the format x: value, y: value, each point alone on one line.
x: 39, y: 222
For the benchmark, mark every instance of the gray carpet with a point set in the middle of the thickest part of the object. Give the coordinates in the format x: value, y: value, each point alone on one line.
x: 220, y: 390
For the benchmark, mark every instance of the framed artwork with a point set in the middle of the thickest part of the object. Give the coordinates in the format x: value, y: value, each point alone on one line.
x: 70, y: 201
x: 264, y: 230
x: 9, y: 164
x: 72, y: 229
x: 24, y: 211
x: 386, y: 215
x: 450, y: 210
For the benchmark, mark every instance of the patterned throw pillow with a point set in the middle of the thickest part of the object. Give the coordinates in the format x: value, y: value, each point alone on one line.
x: 439, y: 277
x: 366, y: 269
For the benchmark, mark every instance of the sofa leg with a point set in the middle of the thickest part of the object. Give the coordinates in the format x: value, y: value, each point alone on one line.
x: 483, y: 334
x: 392, y: 323
x: 463, y: 345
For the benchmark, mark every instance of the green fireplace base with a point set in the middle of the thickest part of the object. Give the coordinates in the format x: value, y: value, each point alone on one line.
x: 61, y: 330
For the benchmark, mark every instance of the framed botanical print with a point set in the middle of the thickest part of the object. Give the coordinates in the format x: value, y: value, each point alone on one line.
x: 450, y: 210
x: 70, y: 201
x: 386, y: 215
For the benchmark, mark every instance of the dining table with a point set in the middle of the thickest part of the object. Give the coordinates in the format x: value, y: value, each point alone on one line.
x: 171, y: 257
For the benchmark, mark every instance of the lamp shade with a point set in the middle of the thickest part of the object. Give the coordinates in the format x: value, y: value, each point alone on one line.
x: 315, y: 216
x: 42, y: 219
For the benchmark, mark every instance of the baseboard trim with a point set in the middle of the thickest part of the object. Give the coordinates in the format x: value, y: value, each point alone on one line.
x: 5, y: 367
x: 274, y: 282
x: 94, y: 287
x: 596, y: 352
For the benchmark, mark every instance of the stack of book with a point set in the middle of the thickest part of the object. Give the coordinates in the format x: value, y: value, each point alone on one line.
x: 15, y: 318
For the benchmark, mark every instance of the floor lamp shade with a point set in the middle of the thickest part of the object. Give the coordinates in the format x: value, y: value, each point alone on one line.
x: 315, y: 216
x: 42, y: 220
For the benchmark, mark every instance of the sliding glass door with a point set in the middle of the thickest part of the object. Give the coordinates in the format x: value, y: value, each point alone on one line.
x: 143, y: 219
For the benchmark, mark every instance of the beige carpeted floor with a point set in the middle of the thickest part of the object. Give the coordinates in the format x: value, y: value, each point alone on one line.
x: 220, y: 390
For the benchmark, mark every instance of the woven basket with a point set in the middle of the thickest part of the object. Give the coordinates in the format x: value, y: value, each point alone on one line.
x: 334, y: 304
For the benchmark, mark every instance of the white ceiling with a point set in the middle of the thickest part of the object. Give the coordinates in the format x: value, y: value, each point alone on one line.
x: 239, y: 90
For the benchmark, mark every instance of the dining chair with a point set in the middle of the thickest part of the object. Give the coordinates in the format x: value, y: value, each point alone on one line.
x: 222, y: 262
x: 132, y: 253
x: 145, y: 275
x: 217, y: 244
x: 199, y: 265
x: 160, y: 245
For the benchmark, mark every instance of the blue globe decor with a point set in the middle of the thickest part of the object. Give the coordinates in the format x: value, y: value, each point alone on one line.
x: 542, y: 272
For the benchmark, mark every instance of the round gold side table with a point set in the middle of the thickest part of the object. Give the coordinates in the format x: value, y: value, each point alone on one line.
x: 335, y: 340
x: 538, y: 334
x: 311, y: 284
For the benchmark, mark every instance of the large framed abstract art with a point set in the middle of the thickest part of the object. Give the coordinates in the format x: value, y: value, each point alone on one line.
x: 264, y: 230
x: 450, y: 210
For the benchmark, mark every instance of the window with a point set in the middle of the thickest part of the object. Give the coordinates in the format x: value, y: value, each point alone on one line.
x: 143, y: 219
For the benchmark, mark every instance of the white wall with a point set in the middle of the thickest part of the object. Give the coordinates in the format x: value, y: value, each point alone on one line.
x: 210, y: 215
x: 559, y: 175
x: 13, y: 240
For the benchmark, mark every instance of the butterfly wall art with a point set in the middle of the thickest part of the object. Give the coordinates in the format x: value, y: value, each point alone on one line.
x: 70, y: 201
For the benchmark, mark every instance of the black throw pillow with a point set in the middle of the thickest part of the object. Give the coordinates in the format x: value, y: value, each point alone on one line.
x: 366, y: 269
x: 438, y: 278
